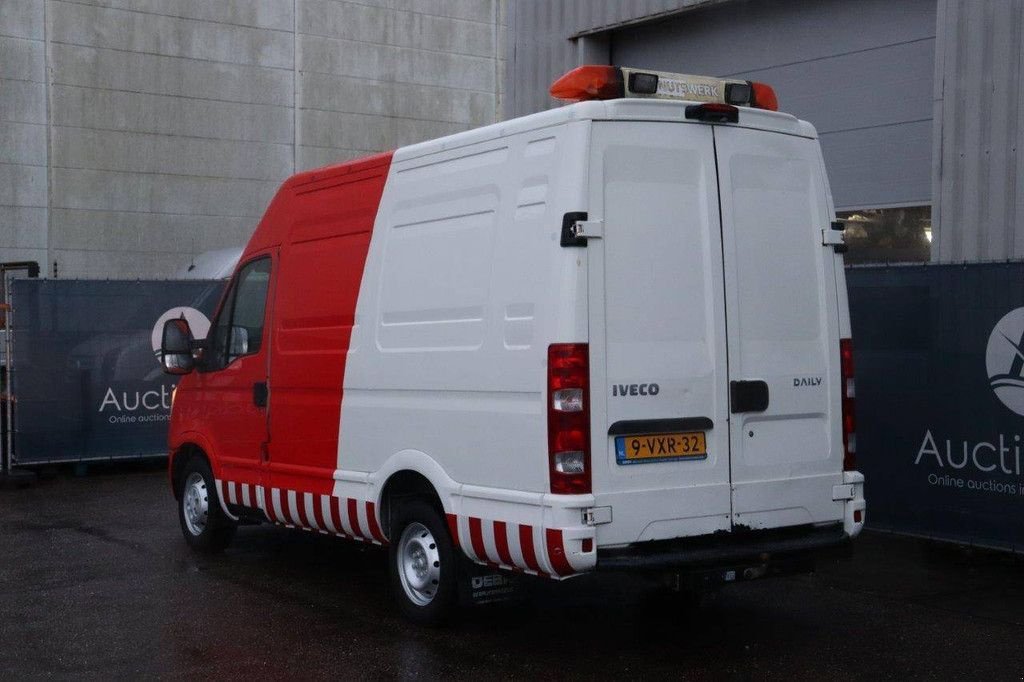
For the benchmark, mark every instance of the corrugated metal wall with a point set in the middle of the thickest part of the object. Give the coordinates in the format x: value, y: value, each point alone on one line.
x: 978, y: 175
x: 861, y: 72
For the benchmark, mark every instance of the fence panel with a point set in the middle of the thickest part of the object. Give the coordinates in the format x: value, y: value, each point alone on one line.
x: 86, y: 379
x: 939, y: 353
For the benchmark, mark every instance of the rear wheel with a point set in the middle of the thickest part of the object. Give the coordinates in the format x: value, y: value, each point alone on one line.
x: 205, y: 526
x: 423, y: 564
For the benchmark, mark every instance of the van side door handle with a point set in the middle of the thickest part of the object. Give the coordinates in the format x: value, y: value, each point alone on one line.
x: 259, y: 394
x: 748, y: 396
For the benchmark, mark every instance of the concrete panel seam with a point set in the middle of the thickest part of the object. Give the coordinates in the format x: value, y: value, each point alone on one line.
x: 204, y: 60
x: 397, y: 82
x: 391, y: 116
x: 190, y: 176
x: 410, y: 11
x: 482, y: 57
x: 256, y: 27
x: 147, y: 212
x: 22, y: 80
x: 11, y: 35
x: 160, y: 94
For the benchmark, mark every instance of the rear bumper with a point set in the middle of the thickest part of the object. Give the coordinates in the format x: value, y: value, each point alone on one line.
x: 727, y: 549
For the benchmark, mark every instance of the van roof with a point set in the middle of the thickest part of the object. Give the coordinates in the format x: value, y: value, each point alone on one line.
x: 606, y: 110
x: 631, y: 109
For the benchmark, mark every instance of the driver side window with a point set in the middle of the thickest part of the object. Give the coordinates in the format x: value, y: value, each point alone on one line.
x: 238, y: 330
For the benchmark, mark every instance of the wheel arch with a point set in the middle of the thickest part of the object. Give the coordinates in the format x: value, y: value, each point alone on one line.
x: 189, y: 445
x: 179, y: 461
x: 413, y: 474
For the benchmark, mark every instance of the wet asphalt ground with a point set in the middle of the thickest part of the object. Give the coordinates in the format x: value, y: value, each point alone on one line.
x: 96, y: 581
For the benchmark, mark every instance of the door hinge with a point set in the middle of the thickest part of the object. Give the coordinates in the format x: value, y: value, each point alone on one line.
x: 576, y: 229
x: 588, y: 229
x: 831, y: 237
x: 834, y: 237
x: 596, y: 516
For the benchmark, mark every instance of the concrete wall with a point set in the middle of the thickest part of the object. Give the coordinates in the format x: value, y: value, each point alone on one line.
x: 978, y: 175
x: 135, y: 133
x: 23, y: 131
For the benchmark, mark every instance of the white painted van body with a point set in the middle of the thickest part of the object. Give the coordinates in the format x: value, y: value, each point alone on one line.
x: 710, y: 261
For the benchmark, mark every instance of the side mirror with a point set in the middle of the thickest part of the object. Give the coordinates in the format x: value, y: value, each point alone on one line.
x: 239, y: 342
x: 176, y: 347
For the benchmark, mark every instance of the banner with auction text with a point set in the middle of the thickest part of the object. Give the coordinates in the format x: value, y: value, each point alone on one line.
x: 86, y: 378
x: 939, y: 354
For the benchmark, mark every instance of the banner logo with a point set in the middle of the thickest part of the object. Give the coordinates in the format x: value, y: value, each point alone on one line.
x: 1004, y: 360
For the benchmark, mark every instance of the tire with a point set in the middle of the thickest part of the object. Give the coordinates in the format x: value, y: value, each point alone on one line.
x: 423, y: 565
x: 205, y: 526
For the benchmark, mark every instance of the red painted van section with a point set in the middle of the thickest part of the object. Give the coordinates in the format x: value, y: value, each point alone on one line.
x: 318, y: 227
x: 324, y: 237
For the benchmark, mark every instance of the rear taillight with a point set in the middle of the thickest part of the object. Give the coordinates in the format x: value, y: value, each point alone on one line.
x: 569, y: 418
x: 849, y: 399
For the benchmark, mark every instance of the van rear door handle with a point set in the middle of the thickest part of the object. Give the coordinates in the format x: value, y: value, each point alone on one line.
x: 259, y: 394
x: 748, y: 396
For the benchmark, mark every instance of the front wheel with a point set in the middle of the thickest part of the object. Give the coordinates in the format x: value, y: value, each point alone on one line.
x: 205, y: 526
x: 423, y: 565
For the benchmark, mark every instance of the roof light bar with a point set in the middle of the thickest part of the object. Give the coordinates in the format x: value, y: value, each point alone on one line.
x: 611, y: 82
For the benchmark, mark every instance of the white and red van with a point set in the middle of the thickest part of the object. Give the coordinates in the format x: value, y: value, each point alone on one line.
x: 613, y: 335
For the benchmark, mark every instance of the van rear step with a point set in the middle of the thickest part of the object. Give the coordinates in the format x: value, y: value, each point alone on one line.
x: 749, y: 546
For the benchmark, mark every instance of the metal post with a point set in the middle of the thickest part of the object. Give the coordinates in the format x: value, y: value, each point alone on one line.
x: 6, y: 270
x: 8, y: 364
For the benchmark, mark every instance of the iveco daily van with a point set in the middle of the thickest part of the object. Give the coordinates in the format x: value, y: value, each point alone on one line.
x: 612, y: 335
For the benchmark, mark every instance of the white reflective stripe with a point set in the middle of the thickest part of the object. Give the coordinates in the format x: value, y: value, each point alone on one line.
x: 275, y: 499
x: 293, y: 509
x: 232, y: 496
x: 487, y: 528
x: 540, y: 548
x: 514, y: 548
x: 325, y: 507
x: 310, y: 516
x: 261, y: 501
x: 245, y: 495
x: 364, y: 523
x: 465, y: 538
x: 346, y: 522
x: 218, y: 487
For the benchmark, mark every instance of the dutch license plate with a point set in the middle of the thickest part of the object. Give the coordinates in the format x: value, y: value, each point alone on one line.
x: 660, y: 447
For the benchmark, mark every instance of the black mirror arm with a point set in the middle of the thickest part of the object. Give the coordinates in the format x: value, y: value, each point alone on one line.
x: 199, y: 352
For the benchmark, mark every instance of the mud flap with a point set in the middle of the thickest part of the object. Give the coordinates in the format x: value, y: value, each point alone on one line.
x: 484, y: 585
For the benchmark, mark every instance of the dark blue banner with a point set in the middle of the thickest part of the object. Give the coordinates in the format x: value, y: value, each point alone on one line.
x: 86, y: 378
x: 939, y: 352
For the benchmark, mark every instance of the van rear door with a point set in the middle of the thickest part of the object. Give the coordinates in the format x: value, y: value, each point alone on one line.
x: 783, y: 329
x: 657, y: 333
x: 713, y: 310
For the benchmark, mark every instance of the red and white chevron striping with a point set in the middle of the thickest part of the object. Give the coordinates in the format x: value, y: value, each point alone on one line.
x: 345, y: 517
x: 514, y: 546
